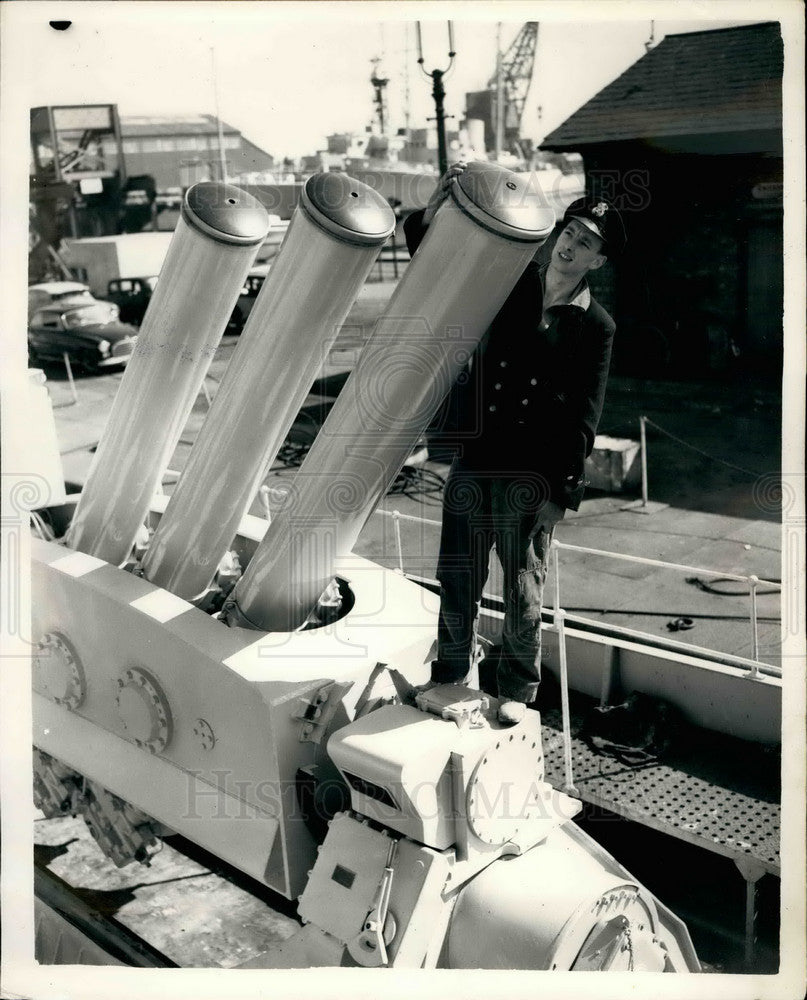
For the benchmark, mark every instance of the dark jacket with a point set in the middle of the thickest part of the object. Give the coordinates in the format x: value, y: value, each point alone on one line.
x: 531, y: 399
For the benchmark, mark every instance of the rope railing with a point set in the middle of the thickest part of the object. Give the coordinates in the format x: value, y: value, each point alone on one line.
x: 700, y: 451
x: 643, y: 423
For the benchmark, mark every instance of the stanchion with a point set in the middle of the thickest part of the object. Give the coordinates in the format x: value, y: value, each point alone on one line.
x: 394, y: 258
x: 644, y: 505
x: 753, y: 583
x: 643, y: 448
x: 568, y: 785
x: 68, y: 368
x: 556, y: 581
x: 396, y: 520
x: 263, y: 493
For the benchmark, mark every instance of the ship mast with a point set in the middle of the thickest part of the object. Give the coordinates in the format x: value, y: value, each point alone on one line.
x: 379, y: 83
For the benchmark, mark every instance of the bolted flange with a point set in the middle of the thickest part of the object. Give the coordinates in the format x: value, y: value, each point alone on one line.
x: 513, y: 766
x: 203, y: 732
x: 144, y: 710
x: 58, y: 672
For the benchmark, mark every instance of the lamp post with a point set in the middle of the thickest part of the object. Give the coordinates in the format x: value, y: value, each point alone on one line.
x: 438, y: 93
x: 219, y: 127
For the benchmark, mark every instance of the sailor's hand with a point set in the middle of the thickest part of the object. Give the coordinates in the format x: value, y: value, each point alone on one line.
x: 548, y: 517
x: 442, y: 189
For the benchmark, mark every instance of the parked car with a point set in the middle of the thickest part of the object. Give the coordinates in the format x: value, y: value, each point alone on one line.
x: 47, y: 292
x: 131, y: 296
x: 90, y: 334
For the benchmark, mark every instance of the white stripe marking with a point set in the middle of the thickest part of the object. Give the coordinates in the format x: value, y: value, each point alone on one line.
x: 77, y: 564
x: 298, y: 656
x: 161, y: 605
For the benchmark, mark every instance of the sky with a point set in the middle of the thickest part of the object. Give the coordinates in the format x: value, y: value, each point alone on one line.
x: 287, y: 74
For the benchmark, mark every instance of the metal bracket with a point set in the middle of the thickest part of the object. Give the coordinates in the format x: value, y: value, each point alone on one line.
x: 456, y: 704
x: 364, y: 698
x: 315, y: 713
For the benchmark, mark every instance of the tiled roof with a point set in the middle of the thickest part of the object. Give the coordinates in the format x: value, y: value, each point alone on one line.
x: 138, y: 126
x: 701, y: 83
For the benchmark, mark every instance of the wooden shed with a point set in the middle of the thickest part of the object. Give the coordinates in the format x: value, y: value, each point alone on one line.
x: 687, y: 142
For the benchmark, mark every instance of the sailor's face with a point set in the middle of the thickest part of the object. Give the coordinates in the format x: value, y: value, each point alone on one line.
x: 577, y: 249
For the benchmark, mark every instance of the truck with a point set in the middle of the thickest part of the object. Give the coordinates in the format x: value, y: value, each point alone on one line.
x: 124, y: 269
x: 101, y: 259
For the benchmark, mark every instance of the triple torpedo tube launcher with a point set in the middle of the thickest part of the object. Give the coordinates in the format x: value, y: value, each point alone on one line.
x: 414, y: 830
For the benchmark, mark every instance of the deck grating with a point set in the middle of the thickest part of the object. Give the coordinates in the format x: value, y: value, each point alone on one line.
x: 715, y: 792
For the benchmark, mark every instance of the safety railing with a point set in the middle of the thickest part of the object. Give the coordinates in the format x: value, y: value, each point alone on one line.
x: 752, y: 581
x: 559, y: 615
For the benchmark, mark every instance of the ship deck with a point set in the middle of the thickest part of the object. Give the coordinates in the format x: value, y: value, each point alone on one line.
x: 714, y: 792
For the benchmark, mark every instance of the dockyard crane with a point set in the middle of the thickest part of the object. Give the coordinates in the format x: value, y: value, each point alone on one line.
x: 511, y: 83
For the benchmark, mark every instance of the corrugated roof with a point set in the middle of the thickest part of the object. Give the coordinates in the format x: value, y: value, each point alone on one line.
x: 138, y: 126
x: 701, y: 83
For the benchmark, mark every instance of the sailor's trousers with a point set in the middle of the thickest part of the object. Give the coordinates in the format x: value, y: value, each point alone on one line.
x: 481, y: 510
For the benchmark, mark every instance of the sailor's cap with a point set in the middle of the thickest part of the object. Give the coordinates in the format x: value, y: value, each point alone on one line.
x: 601, y: 218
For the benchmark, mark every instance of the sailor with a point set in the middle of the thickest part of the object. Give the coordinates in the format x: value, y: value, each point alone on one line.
x: 521, y: 421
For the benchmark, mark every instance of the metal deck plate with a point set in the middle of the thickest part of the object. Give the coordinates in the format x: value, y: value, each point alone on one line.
x: 702, y: 793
